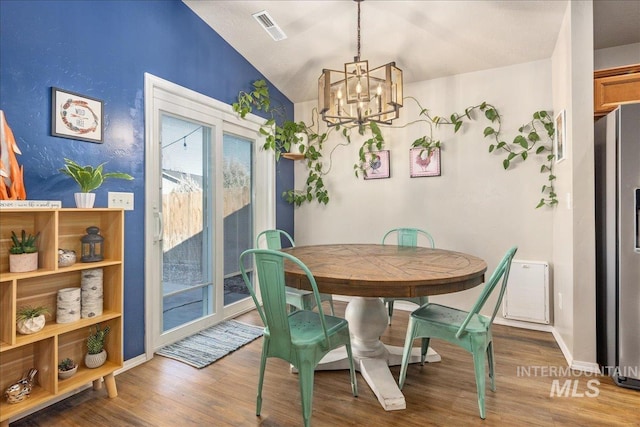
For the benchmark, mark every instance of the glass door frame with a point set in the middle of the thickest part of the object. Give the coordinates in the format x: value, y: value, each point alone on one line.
x: 163, y: 96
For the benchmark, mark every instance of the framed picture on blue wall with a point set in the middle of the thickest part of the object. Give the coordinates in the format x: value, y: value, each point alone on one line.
x: 76, y: 116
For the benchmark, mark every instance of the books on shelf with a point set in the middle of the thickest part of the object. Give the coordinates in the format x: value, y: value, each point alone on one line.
x: 30, y: 204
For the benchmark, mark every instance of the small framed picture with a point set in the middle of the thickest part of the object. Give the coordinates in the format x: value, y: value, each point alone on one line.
x: 559, y: 139
x: 424, y: 162
x: 377, y: 165
x: 76, y: 116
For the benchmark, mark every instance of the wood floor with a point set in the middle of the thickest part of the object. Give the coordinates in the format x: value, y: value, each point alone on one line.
x: 164, y: 392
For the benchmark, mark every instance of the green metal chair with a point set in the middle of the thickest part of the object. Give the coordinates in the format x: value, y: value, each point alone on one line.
x: 469, y: 330
x: 407, y: 237
x: 302, y: 337
x: 296, y: 298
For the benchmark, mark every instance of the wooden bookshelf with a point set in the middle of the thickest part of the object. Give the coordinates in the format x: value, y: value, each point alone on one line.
x: 59, y: 228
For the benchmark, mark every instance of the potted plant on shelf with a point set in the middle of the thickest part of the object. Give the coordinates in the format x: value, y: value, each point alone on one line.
x: 283, y: 136
x: 23, y: 253
x: 89, y: 178
x: 96, y: 354
x: 30, y: 320
x: 66, y: 368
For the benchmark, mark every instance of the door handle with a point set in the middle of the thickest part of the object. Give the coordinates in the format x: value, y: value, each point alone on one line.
x: 159, y: 227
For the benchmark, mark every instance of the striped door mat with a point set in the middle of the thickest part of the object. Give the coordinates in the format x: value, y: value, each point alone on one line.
x: 209, y: 345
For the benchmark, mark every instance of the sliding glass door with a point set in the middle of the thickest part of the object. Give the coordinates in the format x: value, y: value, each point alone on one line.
x: 238, y: 212
x: 208, y: 189
x: 187, y: 239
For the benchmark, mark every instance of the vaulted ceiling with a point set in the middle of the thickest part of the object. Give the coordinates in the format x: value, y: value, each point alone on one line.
x: 426, y: 39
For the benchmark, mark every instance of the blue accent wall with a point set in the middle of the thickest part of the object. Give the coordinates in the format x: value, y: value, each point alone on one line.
x: 102, y: 49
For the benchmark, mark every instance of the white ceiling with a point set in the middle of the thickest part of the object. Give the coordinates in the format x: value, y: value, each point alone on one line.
x: 427, y: 39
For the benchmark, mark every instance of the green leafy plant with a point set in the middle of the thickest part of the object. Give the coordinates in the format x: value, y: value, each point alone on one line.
x: 29, y: 312
x: 96, y: 339
x: 282, y: 134
x: 25, y: 244
x: 371, y: 145
x: 66, y: 365
x: 90, y: 178
x: 528, y: 141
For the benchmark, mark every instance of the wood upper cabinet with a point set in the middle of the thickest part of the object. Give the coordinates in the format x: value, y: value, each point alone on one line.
x: 615, y: 86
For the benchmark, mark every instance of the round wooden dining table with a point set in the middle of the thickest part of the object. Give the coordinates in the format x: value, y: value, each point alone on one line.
x: 369, y: 272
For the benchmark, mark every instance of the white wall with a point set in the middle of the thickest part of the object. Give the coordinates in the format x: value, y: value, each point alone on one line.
x: 563, y: 224
x: 582, y: 166
x: 617, y: 56
x: 475, y: 206
x: 573, y: 221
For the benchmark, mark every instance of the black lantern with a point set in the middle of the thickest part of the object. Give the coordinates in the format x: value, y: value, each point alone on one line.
x: 92, y: 245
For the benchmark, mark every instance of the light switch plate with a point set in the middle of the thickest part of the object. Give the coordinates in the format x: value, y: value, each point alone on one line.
x: 120, y: 200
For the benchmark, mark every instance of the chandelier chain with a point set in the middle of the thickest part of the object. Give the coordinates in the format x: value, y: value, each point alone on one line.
x: 358, y: 57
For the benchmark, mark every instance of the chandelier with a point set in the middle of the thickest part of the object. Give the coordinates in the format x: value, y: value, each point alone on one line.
x: 357, y: 95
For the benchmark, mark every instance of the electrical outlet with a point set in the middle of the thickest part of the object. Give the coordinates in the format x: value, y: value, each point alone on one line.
x: 560, y: 300
x: 120, y: 200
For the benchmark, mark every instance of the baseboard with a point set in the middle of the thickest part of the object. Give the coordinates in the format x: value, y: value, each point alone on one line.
x: 523, y: 325
x: 579, y: 365
x: 132, y: 363
x: 563, y: 346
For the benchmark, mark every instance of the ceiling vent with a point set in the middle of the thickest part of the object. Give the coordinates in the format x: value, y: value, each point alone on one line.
x: 267, y: 22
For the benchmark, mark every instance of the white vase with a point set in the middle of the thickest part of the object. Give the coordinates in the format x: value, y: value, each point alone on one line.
x: 95, y: 360
x: 68, y: 307
x: 295, y: 148
x: 20, y: 263
x: 30, y: 325
x: 84, y: 200
x: 92, y: 299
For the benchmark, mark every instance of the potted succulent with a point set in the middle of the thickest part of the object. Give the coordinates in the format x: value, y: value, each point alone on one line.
x: 66, y: 368
x: 23, y: 253
x: 96, y: 354
x: 30, y: 319
x: 89, y: 178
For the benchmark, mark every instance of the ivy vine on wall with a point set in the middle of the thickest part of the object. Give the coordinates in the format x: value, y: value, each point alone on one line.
x: 534, y: 137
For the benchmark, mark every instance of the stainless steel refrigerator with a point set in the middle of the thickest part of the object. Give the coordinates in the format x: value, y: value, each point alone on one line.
x: 617, y: 161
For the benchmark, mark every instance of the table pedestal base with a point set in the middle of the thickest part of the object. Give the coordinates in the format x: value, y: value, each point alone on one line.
x: 368, y: 319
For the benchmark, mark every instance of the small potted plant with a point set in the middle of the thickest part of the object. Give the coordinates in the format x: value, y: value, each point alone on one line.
x: 30, y: 320
x: 23, y: 253
x: 89, y: 178
x: 96, y: 354
x: 66, y: 368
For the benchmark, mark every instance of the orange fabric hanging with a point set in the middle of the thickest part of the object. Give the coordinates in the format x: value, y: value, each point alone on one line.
x: 11, y: 173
